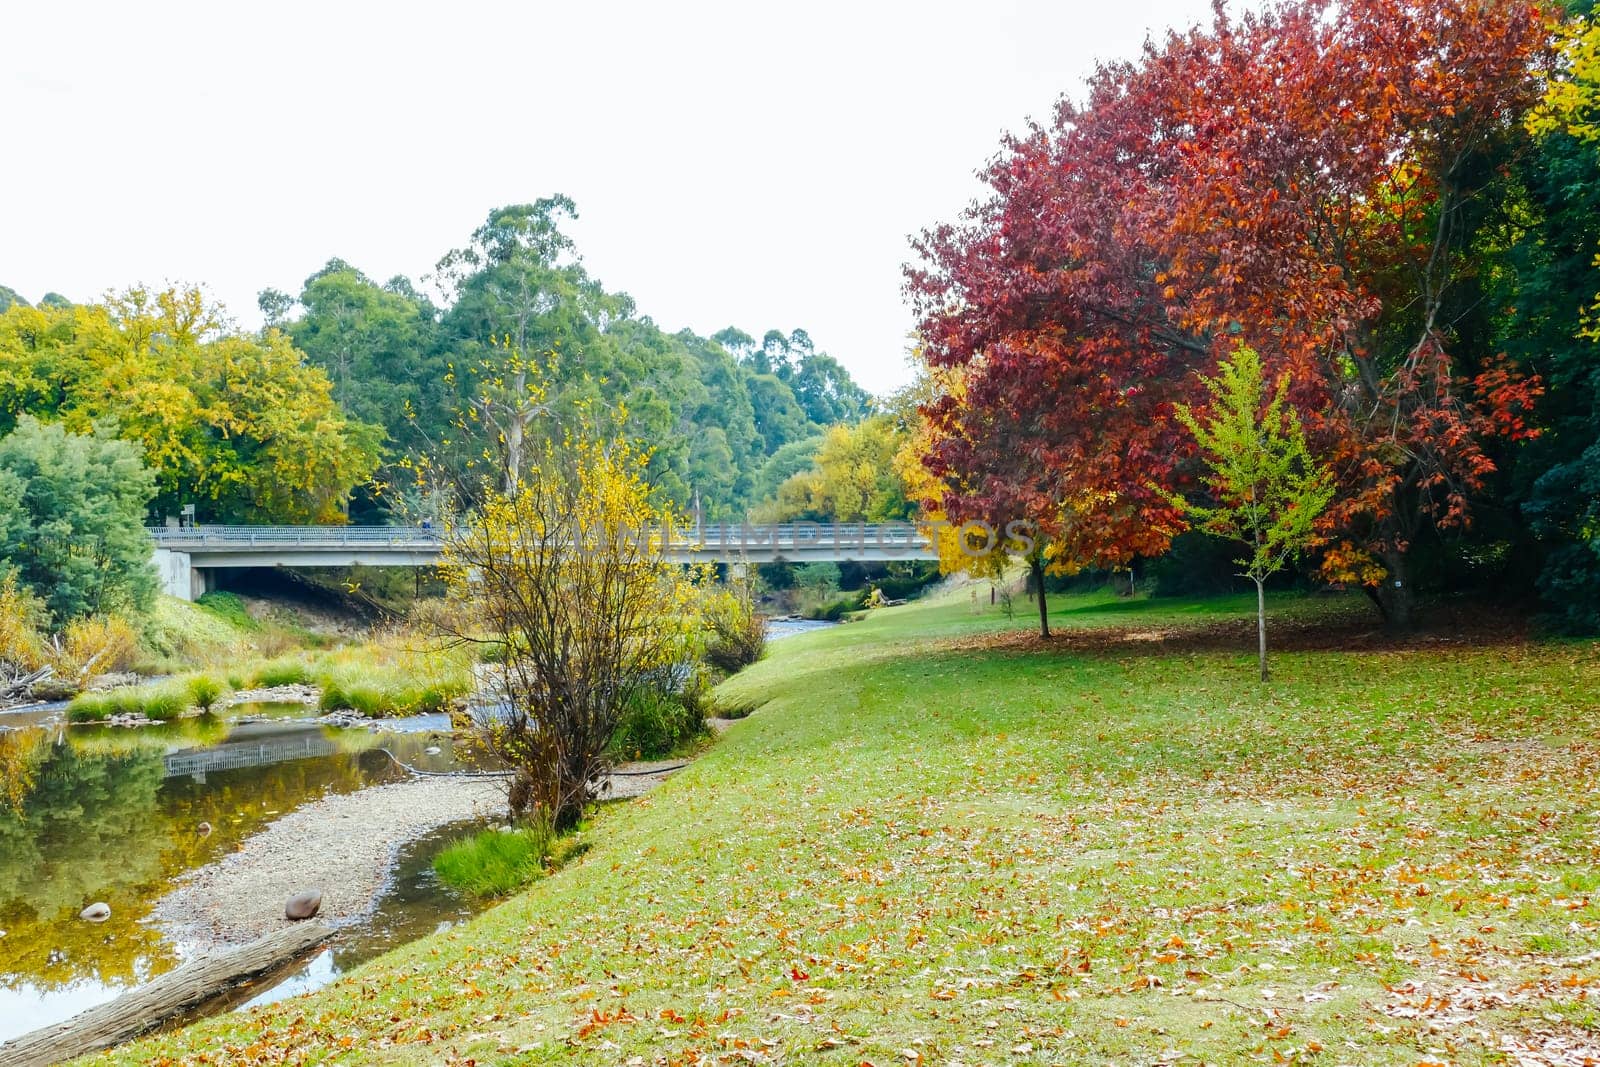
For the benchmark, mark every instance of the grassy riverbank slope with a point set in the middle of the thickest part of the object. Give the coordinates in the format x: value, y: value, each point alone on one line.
x: 940, y: 840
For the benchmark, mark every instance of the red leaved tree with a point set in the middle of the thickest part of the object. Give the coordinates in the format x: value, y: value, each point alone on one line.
x: 1300, y: 181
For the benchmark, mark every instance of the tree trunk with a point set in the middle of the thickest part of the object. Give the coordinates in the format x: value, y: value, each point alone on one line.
x: 1396, y: 596
x: 1261, y: 625
x: 1377, y: 602
x: 1036, y: 565
x: 174, y: 994
x: 513, y: 454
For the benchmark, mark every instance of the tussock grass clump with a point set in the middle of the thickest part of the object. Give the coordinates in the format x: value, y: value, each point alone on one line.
x: 203, y: 691
x: 381, y: 681
x: 287, y: 670
x: 383, y: 694
x: 162, y: 700
x: 494, y: 863
x: 91, y: 707
x: 366, y: 697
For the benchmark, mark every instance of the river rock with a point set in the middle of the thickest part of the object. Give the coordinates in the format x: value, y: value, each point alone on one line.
x: 98, y: 912
x: 303, y: 905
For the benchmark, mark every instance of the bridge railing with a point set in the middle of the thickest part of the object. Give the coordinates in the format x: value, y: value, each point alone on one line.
x: 763, y: 536
x: 708, y: 533
x: 274, y: 536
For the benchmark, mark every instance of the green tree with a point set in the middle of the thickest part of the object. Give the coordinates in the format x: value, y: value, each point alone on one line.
x: 235, y: 423
x: 521, y: 306
x: 376, y: 344
x: 1550, y: 277
x: 72, y: 511
x: 789, y: 460
x: 1265, y: 487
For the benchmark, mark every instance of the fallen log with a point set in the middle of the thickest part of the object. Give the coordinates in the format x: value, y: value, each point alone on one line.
x: 26, y: 682
x: 173, y: 995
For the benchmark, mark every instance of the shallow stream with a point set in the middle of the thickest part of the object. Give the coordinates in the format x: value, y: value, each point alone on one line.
x: 118, y: 814
x: 93, y: 813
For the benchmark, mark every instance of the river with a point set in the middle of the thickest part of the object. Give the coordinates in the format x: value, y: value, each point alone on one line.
x: 117, y: 814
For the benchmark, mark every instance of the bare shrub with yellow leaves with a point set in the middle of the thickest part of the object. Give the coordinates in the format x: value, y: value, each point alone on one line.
x: 561, y: 569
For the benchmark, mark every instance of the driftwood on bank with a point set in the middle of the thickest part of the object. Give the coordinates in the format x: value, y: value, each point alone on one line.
x: 26, y: 682
x: 173, y: 995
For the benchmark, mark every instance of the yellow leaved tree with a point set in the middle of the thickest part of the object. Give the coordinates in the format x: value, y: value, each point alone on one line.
x: 560, y: 565
x: 236, y: 423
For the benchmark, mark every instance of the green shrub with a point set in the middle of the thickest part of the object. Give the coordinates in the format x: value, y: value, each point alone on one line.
x: 61, y: 492
x: 658, y: 721
x: 492, y: 863
x: 837, y: 608
x: 907, y: 578
x: 737, y: 635
x: 203, y: 691
x: 229, y: 607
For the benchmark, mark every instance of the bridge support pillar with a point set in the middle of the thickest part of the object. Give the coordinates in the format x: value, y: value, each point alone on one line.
x: 178, y: 576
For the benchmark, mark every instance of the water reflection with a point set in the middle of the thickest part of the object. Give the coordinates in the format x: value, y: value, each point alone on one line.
x: 112, y: 814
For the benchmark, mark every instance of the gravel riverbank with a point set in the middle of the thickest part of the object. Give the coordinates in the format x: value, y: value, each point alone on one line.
x: 344, y: 845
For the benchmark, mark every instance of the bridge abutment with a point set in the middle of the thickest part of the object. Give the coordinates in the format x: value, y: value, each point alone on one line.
x: 179, y: 576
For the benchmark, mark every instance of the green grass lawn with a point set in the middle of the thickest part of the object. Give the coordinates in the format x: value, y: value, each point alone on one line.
x: 939, y: 840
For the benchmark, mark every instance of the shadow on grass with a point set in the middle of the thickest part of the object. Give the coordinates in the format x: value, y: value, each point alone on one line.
x: 1342, y: 628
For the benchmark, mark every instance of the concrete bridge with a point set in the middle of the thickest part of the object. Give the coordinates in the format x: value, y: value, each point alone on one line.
x: 185, y: 556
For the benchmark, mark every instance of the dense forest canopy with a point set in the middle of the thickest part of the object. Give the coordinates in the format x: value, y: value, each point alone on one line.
x: 714, y: 410
x: 301, y: 420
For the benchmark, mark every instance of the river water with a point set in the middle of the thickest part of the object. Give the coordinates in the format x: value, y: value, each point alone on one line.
x: 114, y: 814
x: 779, y: 628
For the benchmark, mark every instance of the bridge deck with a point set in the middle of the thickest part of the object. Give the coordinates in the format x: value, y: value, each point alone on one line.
x: 183, y: 555
x: 804, y: 539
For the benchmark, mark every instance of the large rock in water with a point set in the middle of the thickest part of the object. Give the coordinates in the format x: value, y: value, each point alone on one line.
x: 303, y: 905
x: 98, y: 912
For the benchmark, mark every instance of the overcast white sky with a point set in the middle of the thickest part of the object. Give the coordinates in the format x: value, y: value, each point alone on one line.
x: 752, y: 164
